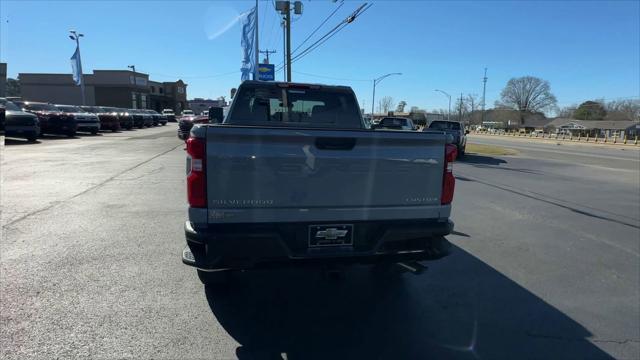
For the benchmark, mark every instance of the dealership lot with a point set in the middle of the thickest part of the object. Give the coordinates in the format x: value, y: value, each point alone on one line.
x: 546, y: 264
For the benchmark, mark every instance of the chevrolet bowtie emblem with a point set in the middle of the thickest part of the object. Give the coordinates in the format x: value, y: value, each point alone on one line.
x: 331, y: 234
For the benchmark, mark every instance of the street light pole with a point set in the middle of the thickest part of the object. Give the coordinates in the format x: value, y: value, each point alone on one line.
x: 75, y: 36
x: 376, y: 82
x: 449, y: 96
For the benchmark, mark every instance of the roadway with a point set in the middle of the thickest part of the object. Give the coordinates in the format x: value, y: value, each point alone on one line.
x: 545, y: 265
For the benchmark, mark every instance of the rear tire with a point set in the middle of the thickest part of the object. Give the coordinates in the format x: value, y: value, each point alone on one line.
x: 32, y: 138
x: 71, y: 134
x: 94, y: 132
x: 214, y: 278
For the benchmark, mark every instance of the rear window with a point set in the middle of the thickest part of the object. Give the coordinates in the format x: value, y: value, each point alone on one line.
x: 275, y: 106
x: 393, y: 122
x: 444, y: 125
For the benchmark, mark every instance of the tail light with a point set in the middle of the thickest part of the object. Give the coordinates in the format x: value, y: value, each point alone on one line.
x: 448, y: 181
x: 196, y: 173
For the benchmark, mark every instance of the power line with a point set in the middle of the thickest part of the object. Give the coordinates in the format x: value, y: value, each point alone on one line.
x: 341, y: 26
x: 318, y: 28
x: 330, y: 33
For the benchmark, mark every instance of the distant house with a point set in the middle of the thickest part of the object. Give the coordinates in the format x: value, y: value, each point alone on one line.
x: 607, y: 128
x: 510, y: 119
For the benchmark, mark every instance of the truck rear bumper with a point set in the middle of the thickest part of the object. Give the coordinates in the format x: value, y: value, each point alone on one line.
x: 244, y: 246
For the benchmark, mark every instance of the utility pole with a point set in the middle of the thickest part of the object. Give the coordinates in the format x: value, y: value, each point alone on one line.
x: 267, y: 52
x: 484, y: 93
x: 257, y: 48
x: 288, y: 23
x: 285, y: 9
x: 284, y: 49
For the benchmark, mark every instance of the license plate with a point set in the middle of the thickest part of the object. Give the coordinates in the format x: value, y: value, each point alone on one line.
x: 331, y: 235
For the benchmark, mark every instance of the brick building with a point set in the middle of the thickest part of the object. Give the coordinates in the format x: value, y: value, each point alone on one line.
x: 119, y: 88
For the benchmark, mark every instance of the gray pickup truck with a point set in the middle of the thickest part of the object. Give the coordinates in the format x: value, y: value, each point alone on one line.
x: 293, y: 177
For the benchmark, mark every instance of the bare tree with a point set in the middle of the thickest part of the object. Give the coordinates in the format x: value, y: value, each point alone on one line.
x: 623, y: 110
x: 401, y: 105
x: 385, y: 104
x: 527, y: 94
x: 414, y: 109
x: 472, y: 99
x: 566, y: 111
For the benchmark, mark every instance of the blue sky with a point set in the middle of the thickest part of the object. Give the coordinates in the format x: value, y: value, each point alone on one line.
x: 585, y: 50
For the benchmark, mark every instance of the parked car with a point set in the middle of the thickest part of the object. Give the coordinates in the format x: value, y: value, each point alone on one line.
x: 395, y: 123
x: 125, y: 119
x: 158, y: 119
x: 108, y: 120
x: 188, y: 112
x: 171, y: 116
x: 147, y: 118
x: 51, y: 119
x: 290, y: 177
x: 453, y: 128
x: 138, y: 119
x: 17, y: 123
x: 186, y: 123
x: 87, y: 122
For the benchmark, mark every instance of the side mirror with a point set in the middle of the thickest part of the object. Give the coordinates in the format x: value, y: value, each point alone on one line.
x: 215, y: 115
x: 466, y: 132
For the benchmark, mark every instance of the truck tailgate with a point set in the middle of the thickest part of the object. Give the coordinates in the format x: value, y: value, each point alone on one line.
x: 257, y: 174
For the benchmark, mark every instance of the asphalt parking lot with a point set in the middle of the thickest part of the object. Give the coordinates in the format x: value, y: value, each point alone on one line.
x: 546, y: 264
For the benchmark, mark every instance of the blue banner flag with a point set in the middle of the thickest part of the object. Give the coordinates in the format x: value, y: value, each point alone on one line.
x: 76, y: 67
x: 247, y: 43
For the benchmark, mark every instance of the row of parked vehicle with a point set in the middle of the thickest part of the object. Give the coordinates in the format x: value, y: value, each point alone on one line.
x: 28, y: 119
x: 453, y: 128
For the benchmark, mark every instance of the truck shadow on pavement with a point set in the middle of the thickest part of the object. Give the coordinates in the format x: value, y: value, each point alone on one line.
x: 469, y: 158
x: 460, y: 308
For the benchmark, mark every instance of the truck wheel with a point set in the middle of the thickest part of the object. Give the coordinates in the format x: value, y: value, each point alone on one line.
x: 32, y: 138
x: 71, y: 134
x: 94, y: 132
x: 214, y: 278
